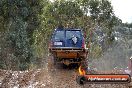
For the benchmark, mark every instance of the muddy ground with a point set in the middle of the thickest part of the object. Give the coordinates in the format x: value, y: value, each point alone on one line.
x: 47, y: 77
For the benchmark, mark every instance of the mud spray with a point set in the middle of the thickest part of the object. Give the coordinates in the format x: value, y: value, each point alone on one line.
x: 116, y: 57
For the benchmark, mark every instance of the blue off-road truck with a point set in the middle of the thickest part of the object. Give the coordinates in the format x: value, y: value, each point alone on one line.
x: 67, y: 46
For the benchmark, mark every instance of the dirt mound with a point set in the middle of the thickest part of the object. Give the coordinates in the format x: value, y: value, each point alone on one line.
x: 48, y: 77
x: 38, y: 78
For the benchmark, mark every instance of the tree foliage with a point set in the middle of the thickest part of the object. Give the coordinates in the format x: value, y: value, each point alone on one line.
x: 20, y: 18
x: 26, y: 26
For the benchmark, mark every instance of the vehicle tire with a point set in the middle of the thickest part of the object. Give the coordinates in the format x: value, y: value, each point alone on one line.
x: 84, y: 65
x: 50, y: 62
x: 56, y: 64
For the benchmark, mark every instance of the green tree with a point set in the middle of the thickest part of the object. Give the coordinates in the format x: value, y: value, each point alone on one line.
x: 20, y: 18
x: 26, y: 26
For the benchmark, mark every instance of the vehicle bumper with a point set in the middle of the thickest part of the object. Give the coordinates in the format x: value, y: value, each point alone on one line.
x: 66, y: 52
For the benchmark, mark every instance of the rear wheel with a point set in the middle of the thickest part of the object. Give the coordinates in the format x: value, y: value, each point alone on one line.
x: 84, y: 65
x: 57, y: 63
x: 50, y: 62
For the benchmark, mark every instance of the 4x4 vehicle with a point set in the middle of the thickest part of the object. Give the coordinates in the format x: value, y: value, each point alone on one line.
x: 68, y: 46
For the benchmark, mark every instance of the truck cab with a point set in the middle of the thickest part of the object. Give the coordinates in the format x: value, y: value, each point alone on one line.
x: 68, y: 46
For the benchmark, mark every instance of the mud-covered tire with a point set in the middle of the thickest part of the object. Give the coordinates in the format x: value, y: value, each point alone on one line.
x: 56, y: 64
x: 84, y: 64
x: 50, y: 62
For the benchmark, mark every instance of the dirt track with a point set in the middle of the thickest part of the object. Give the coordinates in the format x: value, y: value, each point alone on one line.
x: 48, y: 77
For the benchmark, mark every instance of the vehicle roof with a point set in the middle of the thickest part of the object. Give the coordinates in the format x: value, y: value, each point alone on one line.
x: 69, y: 29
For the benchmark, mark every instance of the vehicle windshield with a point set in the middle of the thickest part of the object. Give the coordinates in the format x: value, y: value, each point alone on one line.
x: 59, y: 35
x: 70, y: 34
